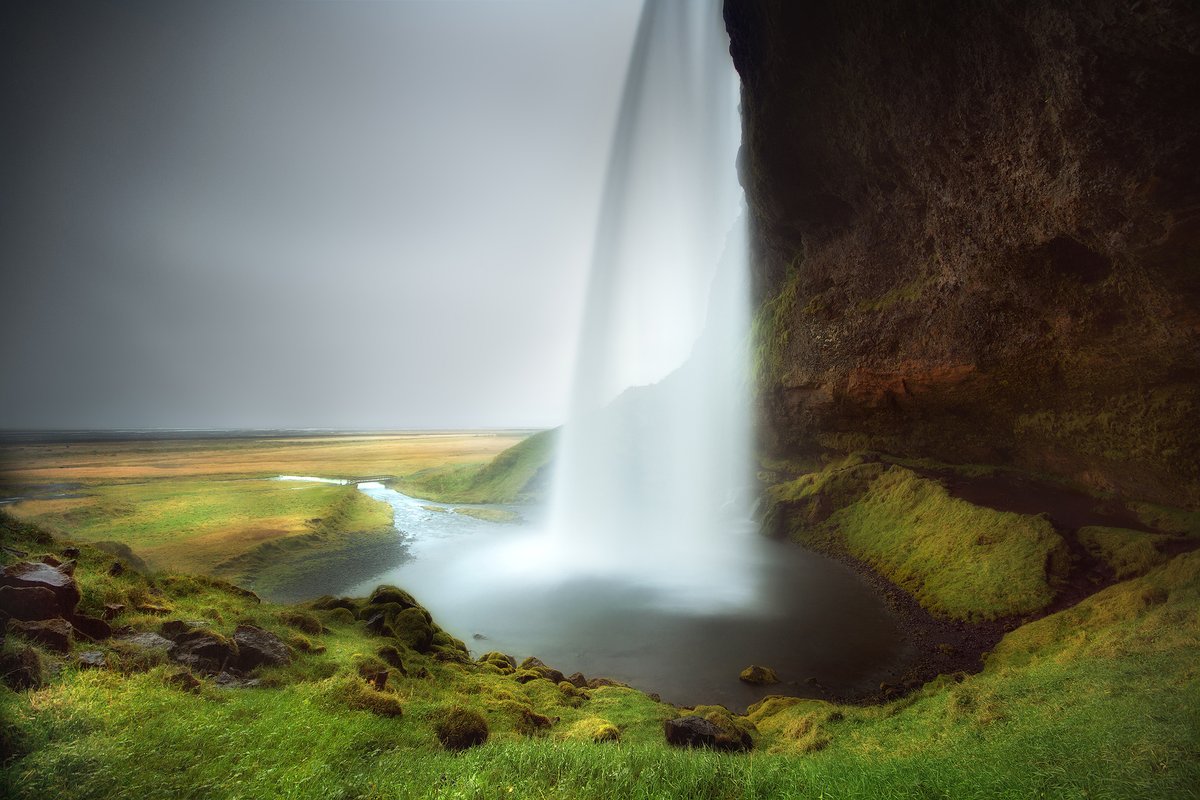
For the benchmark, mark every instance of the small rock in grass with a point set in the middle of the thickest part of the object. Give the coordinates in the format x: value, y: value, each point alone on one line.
x: 92, y: 628
x: 694, y: 731
x: 227, y: 680
x: 257, y: 647
x: 759, y: 676
x: 112, y: 610
x: 184, y: 680
x: 147, y: 641
x: 203, y: 651
x: 53, y: 633
x: 93, y: 659
x: 22, y: 670
x: 71, y: 552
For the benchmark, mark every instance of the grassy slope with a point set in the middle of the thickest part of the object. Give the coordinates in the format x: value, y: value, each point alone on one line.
x: 958, y: 559
x: 1101, y: 700
x: 506, y: 478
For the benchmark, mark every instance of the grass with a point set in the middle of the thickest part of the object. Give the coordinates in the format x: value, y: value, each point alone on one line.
x: 198, y: 525
x: 957, y: 559
x: 1101, y: 700
x: 1128, y: 553
x: 513, y: 475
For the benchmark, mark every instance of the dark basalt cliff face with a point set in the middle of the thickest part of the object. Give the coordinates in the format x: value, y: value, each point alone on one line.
x: 978, y: 232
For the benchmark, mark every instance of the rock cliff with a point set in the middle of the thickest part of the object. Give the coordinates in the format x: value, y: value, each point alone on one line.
x: 977, y: 232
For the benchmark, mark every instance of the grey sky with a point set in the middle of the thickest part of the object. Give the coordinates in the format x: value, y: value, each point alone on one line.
x: 295, y: 214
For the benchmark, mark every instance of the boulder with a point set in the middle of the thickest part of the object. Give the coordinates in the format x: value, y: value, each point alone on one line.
x: 759, y: 676
x: 92, y: 659
x: 257, y: 647
x: 92, y: 628
x: 577, y: 680
x: 32, y: 574
x: 596, y: 683
x: 53, y: 633
x: 501, y: 661
x: 29, y: 603
x: 22, y: 670
x: 693, y: 731
x: 203, y: 651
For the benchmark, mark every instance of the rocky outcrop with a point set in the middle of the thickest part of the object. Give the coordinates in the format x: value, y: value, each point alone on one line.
x: 257, y: 647
x: 696, y: 731
x: 976, y: 232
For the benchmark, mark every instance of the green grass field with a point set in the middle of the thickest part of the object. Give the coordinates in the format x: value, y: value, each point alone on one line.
x: 1101, y: 700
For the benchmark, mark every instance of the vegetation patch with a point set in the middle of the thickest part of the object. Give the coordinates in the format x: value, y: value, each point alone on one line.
x: 515, y: 475
x: 1128, y: 553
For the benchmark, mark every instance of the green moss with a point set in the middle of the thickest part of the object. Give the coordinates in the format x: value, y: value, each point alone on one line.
x: 301, y: 621
x: 411, y: 628
x: 353, y: 692
x: 905, y: 293
x: 770, y: 330
x: 1128, y: 553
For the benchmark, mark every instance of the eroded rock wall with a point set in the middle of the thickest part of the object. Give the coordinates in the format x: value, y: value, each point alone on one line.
x: 978, y: 232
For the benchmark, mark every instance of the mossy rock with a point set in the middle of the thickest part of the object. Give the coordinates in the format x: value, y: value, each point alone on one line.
x: 504, y: 663
x: 330, y: 603
x: 461, y: 728
x: 391, y: 656
x: 412, y: 629
x: 392, y: 594
x: 531, y: 723
x: 758, y: 676
x: 341, y: 616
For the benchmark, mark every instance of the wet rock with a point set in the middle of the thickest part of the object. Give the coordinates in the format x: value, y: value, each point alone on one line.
x: 184, y: 680
x: 758, y: 676
x: 22, y: 670
x: 92, y: 628
x: 693, y: 731
x: 203, y: 651
x: 53, y: 633
x: 146, y: 641
x: 257, y: 647
x: 92, y: 659
x: 29, y: 603
x: 227, y: 680
x: 112, y: 610
x: 577, y: 680
x: 32, y: 574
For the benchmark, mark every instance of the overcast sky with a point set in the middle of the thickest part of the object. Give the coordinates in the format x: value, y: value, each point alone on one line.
x: 299, y: 214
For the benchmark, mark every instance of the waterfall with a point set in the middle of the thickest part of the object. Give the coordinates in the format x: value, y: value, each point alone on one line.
x: 653, y: 470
